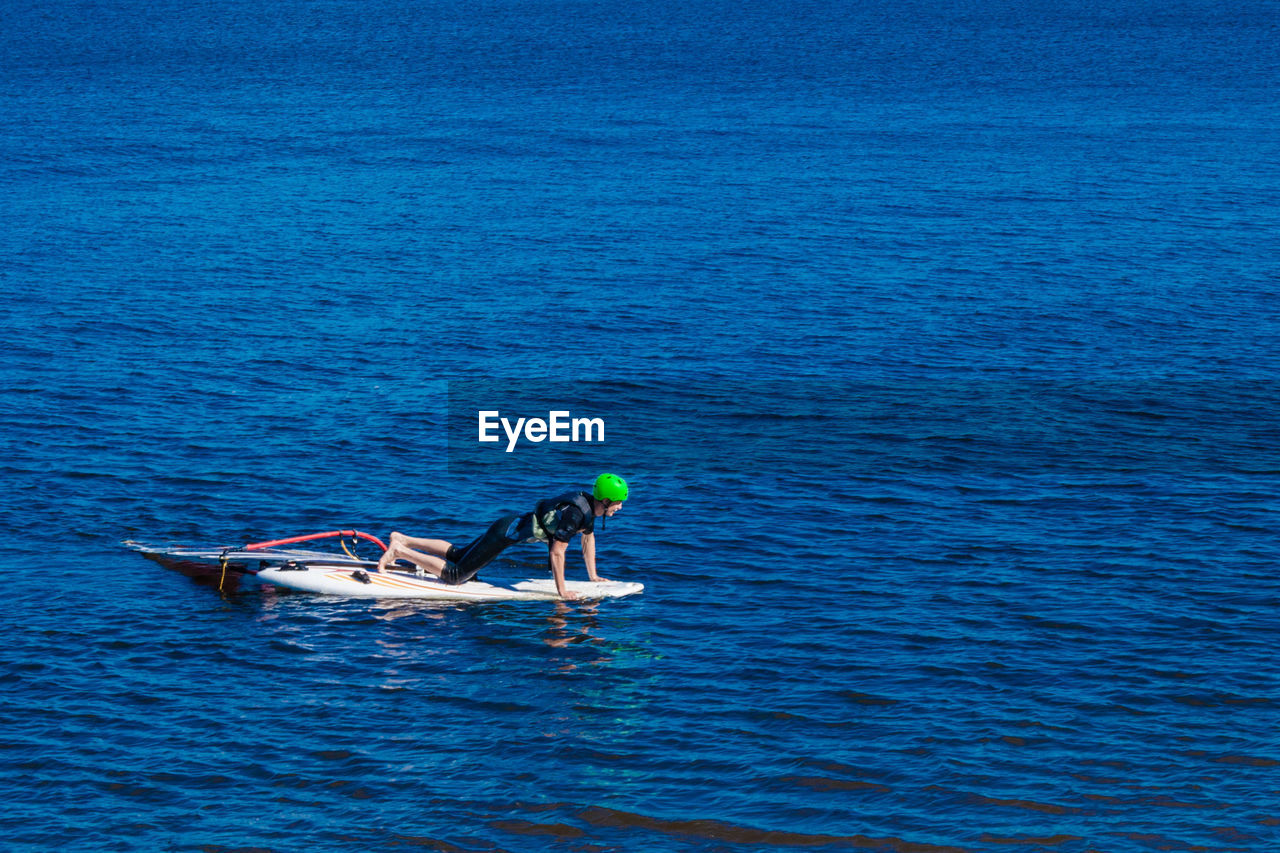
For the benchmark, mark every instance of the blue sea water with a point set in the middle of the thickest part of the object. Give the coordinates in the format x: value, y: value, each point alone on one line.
x: 938, y: 341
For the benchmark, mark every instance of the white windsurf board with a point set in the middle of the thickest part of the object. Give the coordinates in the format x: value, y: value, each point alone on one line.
x: 357, y: 582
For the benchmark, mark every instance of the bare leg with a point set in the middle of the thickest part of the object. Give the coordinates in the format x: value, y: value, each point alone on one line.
x: 436, y: 547
x: 430, y: 558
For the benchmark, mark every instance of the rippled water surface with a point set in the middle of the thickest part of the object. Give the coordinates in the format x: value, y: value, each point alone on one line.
x: 937, y: 340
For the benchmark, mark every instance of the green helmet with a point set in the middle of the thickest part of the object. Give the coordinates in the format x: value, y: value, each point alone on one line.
x: 610, y: 487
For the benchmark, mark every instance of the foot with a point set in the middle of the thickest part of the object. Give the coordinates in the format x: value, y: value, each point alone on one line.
x: 389, y: 556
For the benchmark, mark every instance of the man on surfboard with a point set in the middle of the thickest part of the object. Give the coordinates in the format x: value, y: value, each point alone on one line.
x: 554, y: 521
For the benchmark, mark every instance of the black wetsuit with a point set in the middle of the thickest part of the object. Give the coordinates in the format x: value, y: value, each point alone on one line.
x: 559, y: 518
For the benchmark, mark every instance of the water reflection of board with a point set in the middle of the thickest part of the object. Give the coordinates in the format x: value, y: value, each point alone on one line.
x: 363, y: 582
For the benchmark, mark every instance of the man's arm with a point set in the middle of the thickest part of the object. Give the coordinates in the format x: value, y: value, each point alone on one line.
x: 589, y: 555
x: 556, y: 555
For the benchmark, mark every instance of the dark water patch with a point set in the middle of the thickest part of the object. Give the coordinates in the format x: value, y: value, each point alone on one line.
x: 1041, y: 842
x: 822, y: 783
x: 1243, y: 760
x: 866, y: 699
x: 719, y: 832
x: 1029, y: 805
x: 433, y: 844
x: 550, y: 830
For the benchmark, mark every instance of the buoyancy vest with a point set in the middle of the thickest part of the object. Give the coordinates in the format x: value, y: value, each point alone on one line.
x: 546, y: 515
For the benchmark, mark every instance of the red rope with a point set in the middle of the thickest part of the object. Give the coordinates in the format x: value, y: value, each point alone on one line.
x: 292, y: 539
